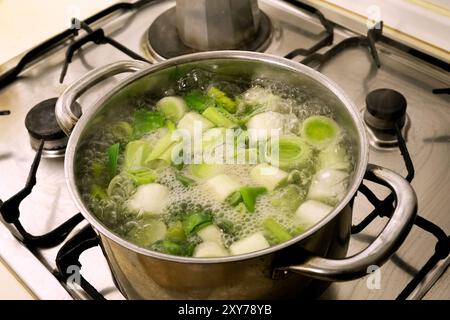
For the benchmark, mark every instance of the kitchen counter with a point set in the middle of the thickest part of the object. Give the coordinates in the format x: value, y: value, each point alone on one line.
x: 11, y: 287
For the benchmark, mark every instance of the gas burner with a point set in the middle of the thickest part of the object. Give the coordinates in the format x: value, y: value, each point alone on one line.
x: 41, y: 124
x: 163, y: 42
x: 385, y: 109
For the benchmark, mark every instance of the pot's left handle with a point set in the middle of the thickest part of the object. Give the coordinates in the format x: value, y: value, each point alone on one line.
x: 66, y: 116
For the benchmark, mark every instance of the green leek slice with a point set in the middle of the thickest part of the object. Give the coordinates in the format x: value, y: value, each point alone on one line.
x: 320, y: 131
x: 249, y: 195
x: 173, y: 108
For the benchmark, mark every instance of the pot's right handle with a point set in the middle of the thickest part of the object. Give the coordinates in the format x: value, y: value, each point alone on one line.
x: 379, y: 251
x: 65, y: 115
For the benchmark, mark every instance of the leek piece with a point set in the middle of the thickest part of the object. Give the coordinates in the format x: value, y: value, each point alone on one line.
x: 235, y: 198
x: 251, y: 243
x: 249, y: 195
x: 135, y: 154
x: 113, y: 158
x: 198, y: 102
x: 144, y: 176
x: 320, y: 131
x: 334, y: 157
x: 276, y: 231
x: 328, y: 185
x: 192, y: 119
x: 98, y: 192
x: 263, y: 125
x: 222, y: 100
x: 262, y: 97
x: 161, y: 146
x: 175, y: 247
x: 176, y: 232
x: 268, y: 176
x: 288, y: 197
x: 311, y: 211
x: 220, y: 118
x: 120, y: 185
x: 152, y: 231
x: 195, y: 221
x: 204, y: 170
x: 211, y: 233
x: 222, y: 186
x: 97, y: 169
x: 185, y: 181
x: 146, y: 122
x: 210, y: 249
x: 122, y: 130
x: 150, y: 199
x: 292, y: 153
x: 173, y: 108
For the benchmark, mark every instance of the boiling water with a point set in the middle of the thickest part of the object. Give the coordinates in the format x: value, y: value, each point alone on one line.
x: 296, y: 104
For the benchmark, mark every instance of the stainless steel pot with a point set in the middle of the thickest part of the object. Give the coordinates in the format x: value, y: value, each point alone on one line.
x: 279, y: 271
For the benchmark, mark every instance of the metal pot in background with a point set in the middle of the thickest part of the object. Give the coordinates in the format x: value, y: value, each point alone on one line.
x: 283, y: 270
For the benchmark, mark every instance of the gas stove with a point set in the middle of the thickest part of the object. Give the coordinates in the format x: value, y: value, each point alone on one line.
x: 402, y: 93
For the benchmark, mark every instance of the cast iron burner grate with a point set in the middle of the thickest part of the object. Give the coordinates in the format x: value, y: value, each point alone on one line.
x: 162, y: 40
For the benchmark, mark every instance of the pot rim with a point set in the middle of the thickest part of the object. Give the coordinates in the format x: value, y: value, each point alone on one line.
x: 281, y: 62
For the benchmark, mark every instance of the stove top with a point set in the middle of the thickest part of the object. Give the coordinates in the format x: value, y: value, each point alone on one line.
x: 359, y: 64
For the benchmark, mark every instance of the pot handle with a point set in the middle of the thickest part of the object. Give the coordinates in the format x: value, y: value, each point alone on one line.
x: 380, y: 250
x: 66, y: 116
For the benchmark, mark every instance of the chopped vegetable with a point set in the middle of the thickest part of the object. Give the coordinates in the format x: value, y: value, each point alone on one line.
x: 204, y: 170
x: 185, y: 181
x: 311, y: 211
x: 144, y: 176
x: 175, y: 247
x: 150, y: 199
x: 289, y: 197
x: 120, y: 185
x: 235, y: 198
x: 135, y: 154
x: 333, y: 157
x: 122, y: 130
x: 292, y: 153
x: 113, y: 158
x: 219, y: 117
x: 173, y: 108
x: 152, y: 231
x: 146, y: 121
x: 268, y: 176
x: 222, y: 186
x: 263, y: 125
x: 263, y: 98
x: 328, y: 185
x: 195, y: 221
x: 249, y: 195
x: 211, y: 233
x: 199, y: 102
x: 97, y: 169
x: 320, y: 131
x: 161, y: 146
x: 176, y: 232
x: 276, y: 231
x: 98, y: 192
x: 192, y: 120
x: 222, y: 100
x: 210, y: 249
x: 251, y: 243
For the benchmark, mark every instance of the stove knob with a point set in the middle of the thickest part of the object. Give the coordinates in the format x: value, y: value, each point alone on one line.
x: 385, y: 108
